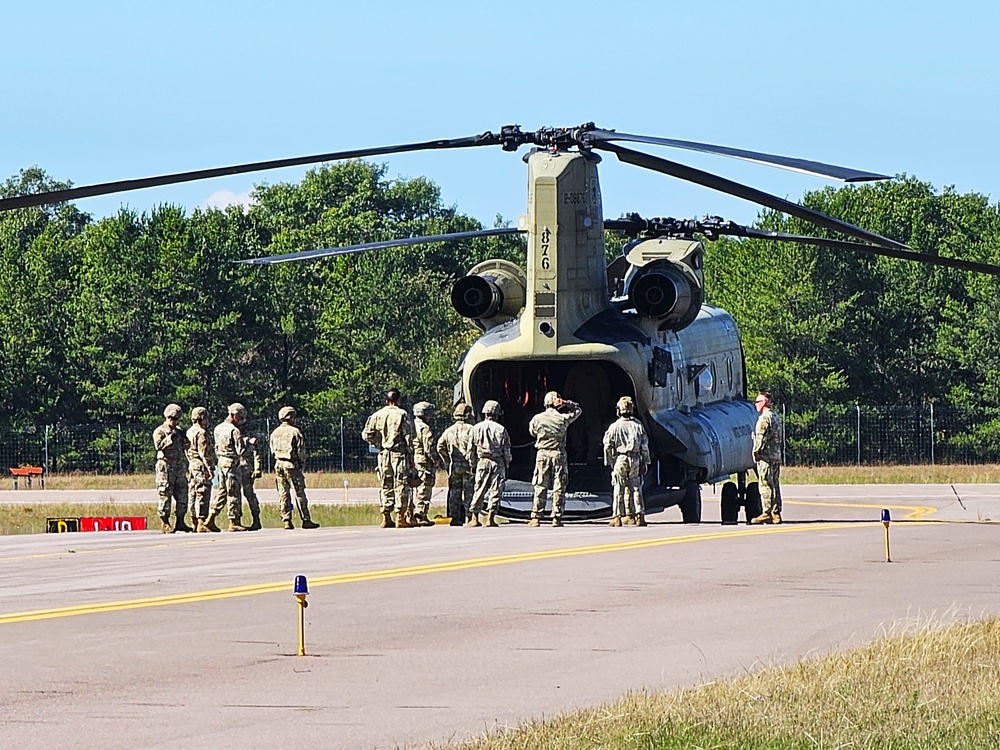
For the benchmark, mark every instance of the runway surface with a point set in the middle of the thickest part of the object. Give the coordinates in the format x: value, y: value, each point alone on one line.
x: 137, y: 639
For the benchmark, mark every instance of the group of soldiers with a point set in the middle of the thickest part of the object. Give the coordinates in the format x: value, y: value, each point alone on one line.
x: 477, y: 457
x: 217, y: 470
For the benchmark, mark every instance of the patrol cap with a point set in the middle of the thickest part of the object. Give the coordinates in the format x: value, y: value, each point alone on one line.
x: 625, y: 406
x: 462, y: 411
x: 198, y: 413
x: 550, y: 399
x: 492, y: 408
x: 286, y: 412
x: 172, y: 411
x: 423, y: 409
x: 237, y: 410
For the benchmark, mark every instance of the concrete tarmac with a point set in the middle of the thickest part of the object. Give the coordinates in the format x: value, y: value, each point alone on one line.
x: 138, y: 639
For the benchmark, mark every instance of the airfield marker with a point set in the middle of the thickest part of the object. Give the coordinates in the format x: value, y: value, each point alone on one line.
x: 301, y: 589
x: 885, y: 522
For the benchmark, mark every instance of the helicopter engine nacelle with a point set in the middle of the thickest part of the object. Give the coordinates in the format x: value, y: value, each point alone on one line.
x: 492, y: 293
x: 665, y: 281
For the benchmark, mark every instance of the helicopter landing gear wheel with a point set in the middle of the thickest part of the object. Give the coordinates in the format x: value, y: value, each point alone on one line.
x: 691, y: 504
x: 730, y: 503
x: 753, y: 506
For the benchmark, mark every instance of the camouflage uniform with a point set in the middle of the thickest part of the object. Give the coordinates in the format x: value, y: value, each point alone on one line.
x: 626, y: 450
x: 288, y: 447
x: 767, y: 441
x: 201, y: 467
x: 551, y: 464
x: 490, y: 455
x: 250, y: 468
x: 424, y: 459
x: 390, y: 429
x: 454, y: 447
x: 228, y: 442
x: 171, y: 475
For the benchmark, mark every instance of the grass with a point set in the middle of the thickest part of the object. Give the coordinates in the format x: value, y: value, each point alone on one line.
x: 921, y: 687
x: 30, y: 519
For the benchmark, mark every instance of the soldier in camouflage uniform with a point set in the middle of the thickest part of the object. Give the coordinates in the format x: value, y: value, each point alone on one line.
x: 288, y: 447
x: 490, y: 456
x: 767, y: 441
x: 249, y: 469
x: 201, y: 466
x: 551, y: 464
x: 453, y: 447
x: 228, y: 448
x: 390, y: 430
x: 425, y: 461
x: 171, y: 476
x: 626, y: 450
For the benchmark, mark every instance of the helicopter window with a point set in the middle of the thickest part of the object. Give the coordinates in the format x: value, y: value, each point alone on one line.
x: 705, y: 384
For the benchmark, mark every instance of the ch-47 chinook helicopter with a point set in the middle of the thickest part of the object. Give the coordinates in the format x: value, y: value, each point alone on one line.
x: 567, y: 321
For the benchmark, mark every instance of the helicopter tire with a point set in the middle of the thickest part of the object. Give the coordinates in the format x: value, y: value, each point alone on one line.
x: 753, y: 506
x: 691, y: 504
x: 730, y: 503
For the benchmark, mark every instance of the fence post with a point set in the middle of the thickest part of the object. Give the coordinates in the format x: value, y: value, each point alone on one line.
x: 48, y: 468
x: 120, y: 448
x: 784, y: 434
x: 932, y: 433
x: 858, y: 407
x: 342, y: 464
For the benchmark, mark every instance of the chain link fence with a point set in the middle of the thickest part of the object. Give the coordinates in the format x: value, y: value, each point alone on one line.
x: 837, y: 435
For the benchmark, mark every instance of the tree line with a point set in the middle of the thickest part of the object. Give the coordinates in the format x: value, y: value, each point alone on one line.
x: 108, y: 320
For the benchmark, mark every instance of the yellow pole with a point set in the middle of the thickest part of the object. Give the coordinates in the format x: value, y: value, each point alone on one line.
x: 302, y: 623
x: 887, y: 558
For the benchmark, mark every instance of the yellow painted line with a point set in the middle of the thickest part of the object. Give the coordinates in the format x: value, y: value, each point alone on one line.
x: 916, y: 511
x: 414, y: 570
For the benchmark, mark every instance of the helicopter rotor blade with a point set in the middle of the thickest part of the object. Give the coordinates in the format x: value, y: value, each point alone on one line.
x: 269, y: 260
x: 805, y: 166
x: 934, y: 260
x: 697, y: 176
x: 120, y: 186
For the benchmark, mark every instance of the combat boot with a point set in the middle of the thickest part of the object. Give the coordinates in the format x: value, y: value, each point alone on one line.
x: 474, y: 520
x: 775, y: 518
x: 616, y: 521
x: 533, y: 522
x: 420, y: 519
x: 210, y: 523
x: 387, y: 522
x: 762, y: 518
x: 309, y: 524
x: 194, y: 521
x: 287, y: 524
x: 557, y: 522
x: 254, y: 523
x: 181, y: 525
x: 640, y: 520
x: 233, y: 526
x: 402, y: 522
x: 165, y: 526
x: 202, y: 528
x: 629, y: 520
x: 491, y: 519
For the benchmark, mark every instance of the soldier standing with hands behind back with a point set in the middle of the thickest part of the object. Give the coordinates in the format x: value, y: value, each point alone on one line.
x: 390, y: 430
x: 425, y: 461
x: 626, y: 451
x: 551, y: 463
x: 454, y: 448
x: 288, y: 447
x: 489, y: 453
x: 767, y: 440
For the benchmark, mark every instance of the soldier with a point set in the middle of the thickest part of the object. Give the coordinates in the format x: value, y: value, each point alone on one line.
x: 425, y: 461
x: 626, y: 450
x: 249, y: 469
x: 390, y: 430
x: 228, y: 448
x: 288, y: 447
x: 171, y: 478
x: 201, y: 466
x: 551, y: 465
x: 453, y: 448
x: 767, y: 440
x: 490, y: 455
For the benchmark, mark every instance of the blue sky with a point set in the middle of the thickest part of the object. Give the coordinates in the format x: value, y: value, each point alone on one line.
x: 115, y: 90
